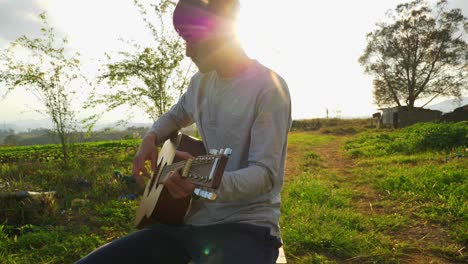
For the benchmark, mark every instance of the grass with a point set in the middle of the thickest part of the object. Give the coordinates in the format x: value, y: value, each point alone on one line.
x: 46, y: 244
x: 421, y: 172
x: 434, y: 137
x: 365, y: 197
x: 439, y: 192
x: 334, y: 126
x: 85, y: 213
x: 319, y: 223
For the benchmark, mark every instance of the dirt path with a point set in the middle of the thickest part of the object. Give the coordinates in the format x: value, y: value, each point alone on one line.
x: 417, y: 234
x: 337, y: 162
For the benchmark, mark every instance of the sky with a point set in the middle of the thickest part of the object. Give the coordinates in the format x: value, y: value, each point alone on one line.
x: 313, y: 45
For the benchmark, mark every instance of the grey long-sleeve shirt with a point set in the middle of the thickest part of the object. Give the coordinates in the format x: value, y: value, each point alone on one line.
x: 251, y: 114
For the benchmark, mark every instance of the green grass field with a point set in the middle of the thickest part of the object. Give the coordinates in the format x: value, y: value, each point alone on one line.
x: 350, y: 196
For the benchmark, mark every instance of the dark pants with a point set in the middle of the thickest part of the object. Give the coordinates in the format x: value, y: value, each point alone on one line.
x: 223, y: 243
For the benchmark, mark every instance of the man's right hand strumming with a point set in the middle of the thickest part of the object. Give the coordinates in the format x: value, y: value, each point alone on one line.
x: 148, y: 151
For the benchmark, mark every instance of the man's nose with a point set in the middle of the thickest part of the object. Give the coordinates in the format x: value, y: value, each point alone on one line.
x: 189, y: 51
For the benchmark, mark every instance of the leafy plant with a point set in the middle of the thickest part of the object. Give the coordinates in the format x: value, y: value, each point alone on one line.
x: 149, y: 78
x: 414, y: 139
x: 46, y: 72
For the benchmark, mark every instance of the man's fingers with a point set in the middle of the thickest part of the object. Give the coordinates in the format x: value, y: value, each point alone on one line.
x: 185, y: 185
x: 145, y: 172
x: 154, y: 161
x: 184, y: 155
x: 146, y: 151
x: 136, y: 167
x: 140, y: 183
x: 177, y: 186
x: 174, y: 189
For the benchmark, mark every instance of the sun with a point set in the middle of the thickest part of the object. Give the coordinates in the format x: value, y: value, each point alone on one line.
x: 259, y: 32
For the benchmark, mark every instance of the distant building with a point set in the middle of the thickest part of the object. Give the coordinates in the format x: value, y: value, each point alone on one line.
x: 400, y: 116
x: 377, y: 119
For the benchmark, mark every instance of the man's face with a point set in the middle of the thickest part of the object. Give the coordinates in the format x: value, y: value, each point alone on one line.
x: 205, y: 32
x: 203, y: 52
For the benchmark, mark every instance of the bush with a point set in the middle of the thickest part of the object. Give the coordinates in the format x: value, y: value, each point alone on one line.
x: 436, y: 136
x: 417, y: 138
x: 332, y: 125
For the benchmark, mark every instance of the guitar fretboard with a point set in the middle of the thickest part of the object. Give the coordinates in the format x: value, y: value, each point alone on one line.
x: 203, y: 160
x: 168, y: 168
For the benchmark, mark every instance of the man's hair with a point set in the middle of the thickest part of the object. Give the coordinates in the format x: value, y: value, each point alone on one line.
x: 226, y: 8
x: 195, y: 18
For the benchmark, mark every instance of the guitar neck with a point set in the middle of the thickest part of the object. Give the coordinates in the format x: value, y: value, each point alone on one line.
x: 173, y: 167
x: 203, y: 171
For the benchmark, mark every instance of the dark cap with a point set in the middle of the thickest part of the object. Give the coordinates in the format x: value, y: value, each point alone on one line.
x: 196, y: 19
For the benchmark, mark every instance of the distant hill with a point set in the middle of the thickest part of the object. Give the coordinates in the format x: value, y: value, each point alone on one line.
x: 27, y: 124
x: 30, y: 124
x: 448, y: 105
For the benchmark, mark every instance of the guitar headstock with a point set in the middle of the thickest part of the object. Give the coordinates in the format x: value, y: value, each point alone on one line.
x: 207, y: 170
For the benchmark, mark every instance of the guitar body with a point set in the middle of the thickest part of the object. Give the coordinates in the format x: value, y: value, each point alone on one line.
x: 157, y: 205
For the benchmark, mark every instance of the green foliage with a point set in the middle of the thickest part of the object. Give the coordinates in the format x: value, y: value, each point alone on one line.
x: 118, y: 214
x: 86, y: 211
x: 311, y: 160
x: 422, y: 167
x: 430, y: 189
x: 46, y: 136
x: 5, y: 133
x: 420, y: 53
x: 34, y: 210
x: 445, y: 187
x: 51, y: 152
x: 306, y: 125
x: 320, y: 222
x: 46, y: 73
x: 414, y: 139
x: 149, y: 78
x: 318, y: 218
x: 47, y: 244
x: 333, y: 126
x: 437, y: 136
x: 308, y: 141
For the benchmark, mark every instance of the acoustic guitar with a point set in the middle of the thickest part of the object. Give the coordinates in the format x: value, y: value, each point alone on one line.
x: 205, y: 172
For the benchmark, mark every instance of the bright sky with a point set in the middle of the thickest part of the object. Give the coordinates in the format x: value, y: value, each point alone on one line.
x: 314, y: 45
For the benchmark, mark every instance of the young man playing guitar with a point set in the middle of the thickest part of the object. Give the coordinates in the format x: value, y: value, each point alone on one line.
x: 236, y: 103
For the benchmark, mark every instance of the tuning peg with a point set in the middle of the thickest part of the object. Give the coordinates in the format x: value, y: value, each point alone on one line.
x: 228, y: 152
x: 213, y: 151
x: 205, y: 194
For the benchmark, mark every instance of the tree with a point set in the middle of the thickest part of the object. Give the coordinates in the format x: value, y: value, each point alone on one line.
x: 42, y: 67
x: 420, y: 54
x: 11, y: 140
x: 5, y: 133
x: 151, y: 77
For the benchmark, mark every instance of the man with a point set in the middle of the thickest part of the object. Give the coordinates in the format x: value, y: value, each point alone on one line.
x: 237, y: 103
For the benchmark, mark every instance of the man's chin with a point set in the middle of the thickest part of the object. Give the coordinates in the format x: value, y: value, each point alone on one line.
x: 203, y: 68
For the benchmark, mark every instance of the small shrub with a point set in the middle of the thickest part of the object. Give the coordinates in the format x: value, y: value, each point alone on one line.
x: 436, y: 136
x: 414, y: 139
